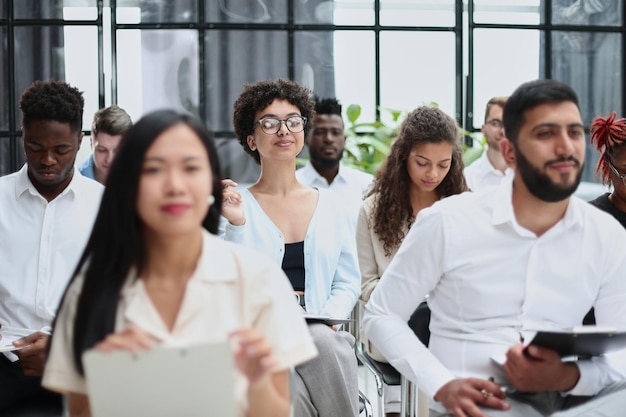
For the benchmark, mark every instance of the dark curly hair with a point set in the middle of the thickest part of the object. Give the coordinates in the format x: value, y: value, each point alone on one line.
x: 328, y: 105
x: 53, y: 100
x: 259, y: 95
x: 392, y: 206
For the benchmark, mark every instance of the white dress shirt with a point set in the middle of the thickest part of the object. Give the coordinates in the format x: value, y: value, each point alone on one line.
x: 350, y: 185
x: 40, y: 245
x: 480, y: 173
x: 232, y: 287
x: 490, y: 280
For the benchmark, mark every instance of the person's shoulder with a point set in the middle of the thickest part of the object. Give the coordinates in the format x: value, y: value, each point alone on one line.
x: 9, y: 179
x: 87, y: 184
x: 356, y: 174
x: 595, y: 219
x: 246, y: 261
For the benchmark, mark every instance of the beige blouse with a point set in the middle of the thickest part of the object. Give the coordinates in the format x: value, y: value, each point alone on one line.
x: 372, y: 262
x: 233, y: 286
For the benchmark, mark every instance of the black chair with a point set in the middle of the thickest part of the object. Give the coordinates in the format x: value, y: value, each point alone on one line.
x: 385, y: 373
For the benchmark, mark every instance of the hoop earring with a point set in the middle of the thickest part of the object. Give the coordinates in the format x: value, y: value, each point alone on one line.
x: 210, y: 199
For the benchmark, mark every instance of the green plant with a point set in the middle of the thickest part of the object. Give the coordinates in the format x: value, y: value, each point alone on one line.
x: 368, y: 143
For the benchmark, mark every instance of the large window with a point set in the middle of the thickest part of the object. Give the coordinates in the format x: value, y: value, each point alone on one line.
x: 195, y: 56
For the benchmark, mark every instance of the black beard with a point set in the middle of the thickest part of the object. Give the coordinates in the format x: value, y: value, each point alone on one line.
x: 540, y: 185
x: 324, y: 162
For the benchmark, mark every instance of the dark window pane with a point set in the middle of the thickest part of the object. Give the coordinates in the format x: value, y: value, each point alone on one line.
x: 157, y: 69
x: 417, y: 13
x: 4, y: 82
x: 38, y: 9
x: 499, y: 71
x: 157, y: 11
x: 5, y: 152
x: 246, y: 11
x: 234, y: 58
x: 409, y: 84
x: 314, y: 61
x: 582, y: 13
x: 508, y: 12
x: 39, y: 55
x: 588, y: 62
x: 4, y: 7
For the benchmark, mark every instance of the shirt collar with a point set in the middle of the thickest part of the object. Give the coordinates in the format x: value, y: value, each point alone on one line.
x: 311, y: 175
x: 503, y: 207
x: 213, y: 266
x: 23, y: 184
x: 486, y: 167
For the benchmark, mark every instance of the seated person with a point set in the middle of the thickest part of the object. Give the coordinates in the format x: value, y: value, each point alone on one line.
x: 545, y: 258
x: 425, y: 165
x: 608, y: 134
x: 154, y: 273
x: 305, y: 231
x: 46, y: 215
x: 109, y: 124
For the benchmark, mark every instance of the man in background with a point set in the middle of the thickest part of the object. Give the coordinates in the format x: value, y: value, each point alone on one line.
x: 326, y: 141
x: 48, y: 210
x: 109, y: 124
x: 491, y: 167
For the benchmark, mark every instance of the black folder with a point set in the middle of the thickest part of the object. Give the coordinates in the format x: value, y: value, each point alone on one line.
x: 585, y: 341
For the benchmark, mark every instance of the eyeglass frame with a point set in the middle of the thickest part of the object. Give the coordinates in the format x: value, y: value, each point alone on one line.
x: 616, y: 172
x: 498, y: 125
x: 280, y: 122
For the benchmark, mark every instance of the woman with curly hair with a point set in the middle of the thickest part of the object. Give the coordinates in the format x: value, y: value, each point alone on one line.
x: 306, y: 231
x: 608, y: 135
x: 425, y: 165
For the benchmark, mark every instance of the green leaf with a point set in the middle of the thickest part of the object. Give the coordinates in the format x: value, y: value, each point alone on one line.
x: 353, y: 112
x: 471, y: 154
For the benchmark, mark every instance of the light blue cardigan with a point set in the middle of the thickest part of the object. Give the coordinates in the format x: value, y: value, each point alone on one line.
x: 332, y: 277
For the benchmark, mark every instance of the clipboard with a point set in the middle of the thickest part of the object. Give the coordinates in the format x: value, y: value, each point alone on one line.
x: 329, y: 321
x: 584, y: 341
x: 192, y: 381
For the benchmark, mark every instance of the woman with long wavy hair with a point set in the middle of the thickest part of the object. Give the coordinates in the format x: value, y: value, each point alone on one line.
x: 425, y: 165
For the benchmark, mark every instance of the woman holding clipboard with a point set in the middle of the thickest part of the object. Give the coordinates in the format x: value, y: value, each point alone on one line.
x: 153, y: 274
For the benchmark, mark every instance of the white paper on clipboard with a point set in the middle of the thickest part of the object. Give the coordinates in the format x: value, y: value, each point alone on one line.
x: 193, y: 381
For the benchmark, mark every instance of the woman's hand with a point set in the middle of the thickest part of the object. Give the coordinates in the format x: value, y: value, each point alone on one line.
x: 232, y: 206
x: 131, y: 338
x: 253, y: 355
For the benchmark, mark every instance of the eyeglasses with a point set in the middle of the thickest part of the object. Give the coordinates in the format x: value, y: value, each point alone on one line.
x: 616, y: 172
x: 495, y: 123
x: 271, y: 125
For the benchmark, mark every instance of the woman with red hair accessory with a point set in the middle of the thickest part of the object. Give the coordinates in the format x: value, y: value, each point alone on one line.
x: 608, y: 135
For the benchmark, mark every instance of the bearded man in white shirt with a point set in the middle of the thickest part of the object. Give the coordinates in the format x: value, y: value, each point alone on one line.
x: 326, y: 141
x: 544, y: 258
x: 48, y: 210
x: 490, y: 168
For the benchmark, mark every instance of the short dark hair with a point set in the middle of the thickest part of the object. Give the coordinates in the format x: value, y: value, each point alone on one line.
x: 259, y: 95
x: 112, y: 120
x: 329, y: 105
x: 528, y: 96
x: 116, y: 244
x: 53, y: 100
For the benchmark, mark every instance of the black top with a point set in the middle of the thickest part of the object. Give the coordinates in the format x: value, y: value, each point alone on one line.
x: 293, y: 264
x: 604, y: 204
